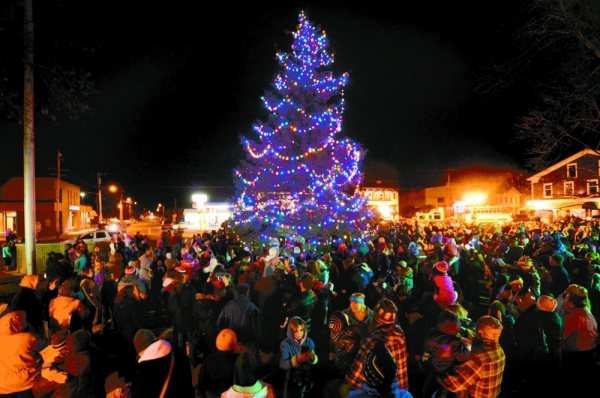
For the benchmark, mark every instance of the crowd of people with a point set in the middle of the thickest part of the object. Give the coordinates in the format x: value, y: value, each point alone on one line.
x: 433, y: 310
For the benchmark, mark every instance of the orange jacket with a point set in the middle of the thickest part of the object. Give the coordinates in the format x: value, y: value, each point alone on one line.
x: 20, y: 361
x: 62, y: 307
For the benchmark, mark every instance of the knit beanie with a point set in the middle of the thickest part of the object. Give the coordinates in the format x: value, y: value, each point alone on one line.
x: 489, y: 328
x: 385, y: 312
x: 442, y: 267
x: 244, y: 374
x: 546, y: 303
x: 143, y: 339
x: 338, y: 321
x: 226, y: 340
x: 558, y: 258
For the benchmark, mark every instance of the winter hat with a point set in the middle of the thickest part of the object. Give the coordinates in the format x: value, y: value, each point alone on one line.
x: 130, y: 270
x: 380, y: 368
x: 143, y: 339
x: 546, y: 303
x: 402, y: 264
x: 525, y: 262
x: 385, y: 312
x: 489, y: 328
x: 29, y: 281
x: 516, y: 280
x: 442, y: 267
x: 59, y: 339
x: 338, y: 321
x: 226, y: 340
x: 244, y: 374
x: 558, y: 258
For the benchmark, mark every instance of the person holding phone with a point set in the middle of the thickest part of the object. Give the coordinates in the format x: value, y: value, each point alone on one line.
x: 297, y: 358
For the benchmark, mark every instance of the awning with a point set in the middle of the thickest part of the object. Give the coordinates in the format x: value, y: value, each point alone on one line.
x: 93, y: 213
x: 590, y: 206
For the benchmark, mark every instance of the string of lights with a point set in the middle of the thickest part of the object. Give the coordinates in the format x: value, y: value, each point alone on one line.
x: 299, y: 178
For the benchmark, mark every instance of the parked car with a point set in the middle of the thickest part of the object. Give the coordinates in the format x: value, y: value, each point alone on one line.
x: 167, y: 224
x: 101, y: 235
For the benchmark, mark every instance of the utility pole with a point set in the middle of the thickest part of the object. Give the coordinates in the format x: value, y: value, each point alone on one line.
x: 100, y: 199
x: 58, y: 231
x: 28, y: 142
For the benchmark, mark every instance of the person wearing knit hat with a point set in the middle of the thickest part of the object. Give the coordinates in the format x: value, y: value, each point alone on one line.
x: 389, y: 333
x: 538, y: 333
x: 217, y: 371
x: 441, y: 267
x: 481, y: 374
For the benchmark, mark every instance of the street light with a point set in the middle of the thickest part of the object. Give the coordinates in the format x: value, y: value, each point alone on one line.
x: 113, y: 188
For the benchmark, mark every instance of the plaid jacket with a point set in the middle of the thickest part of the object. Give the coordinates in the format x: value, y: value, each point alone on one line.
x: 393, y: 338
x: 481, y: 375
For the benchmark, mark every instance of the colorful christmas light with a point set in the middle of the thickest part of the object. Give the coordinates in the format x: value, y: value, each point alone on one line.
x: 299, y: 178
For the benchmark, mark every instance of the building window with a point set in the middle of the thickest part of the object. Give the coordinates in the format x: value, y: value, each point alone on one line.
x: 572, y: 170
x: 440, y: 200
x: 387, y: 195
x: 369, y: 194
x: 547, y: 190
x: 569, y: 189
x: 592, y: 187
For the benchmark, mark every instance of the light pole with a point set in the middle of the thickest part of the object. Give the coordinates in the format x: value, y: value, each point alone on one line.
x: 113, y: 188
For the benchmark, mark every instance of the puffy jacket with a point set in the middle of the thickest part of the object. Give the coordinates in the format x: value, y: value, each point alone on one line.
x: 20, y: 362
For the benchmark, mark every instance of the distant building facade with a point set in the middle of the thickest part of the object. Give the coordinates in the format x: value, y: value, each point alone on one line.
x: 383, y: 196
x: 569, y: 187
x: 58, y: 208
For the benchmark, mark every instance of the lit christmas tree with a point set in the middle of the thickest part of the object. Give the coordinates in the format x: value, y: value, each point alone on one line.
x: 300, y: 179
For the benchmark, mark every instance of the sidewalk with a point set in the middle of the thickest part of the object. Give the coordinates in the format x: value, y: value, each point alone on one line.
x: 7, y: 277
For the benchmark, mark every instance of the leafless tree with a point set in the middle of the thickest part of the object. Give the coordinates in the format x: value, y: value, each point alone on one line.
x: 554, y: 54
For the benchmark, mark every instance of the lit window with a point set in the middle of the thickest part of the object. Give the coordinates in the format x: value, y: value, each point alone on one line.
x: 592, y: 187
x: 569, y: 188
x: 547, y: 190
x: 572, y: 170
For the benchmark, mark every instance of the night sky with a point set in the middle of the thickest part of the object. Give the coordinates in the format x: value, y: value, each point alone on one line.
x: 178, y: 85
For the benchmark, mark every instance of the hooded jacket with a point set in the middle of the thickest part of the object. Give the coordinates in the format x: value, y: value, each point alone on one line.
x: 290, y: 347
x: 61, y: 309
x: 26, y: 300
x: 20, y: 362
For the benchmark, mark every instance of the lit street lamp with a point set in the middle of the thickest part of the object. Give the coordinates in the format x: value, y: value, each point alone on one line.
x: 113, y: 188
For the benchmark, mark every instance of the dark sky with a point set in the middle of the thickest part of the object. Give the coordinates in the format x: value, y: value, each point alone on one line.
x: 178, y: 85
